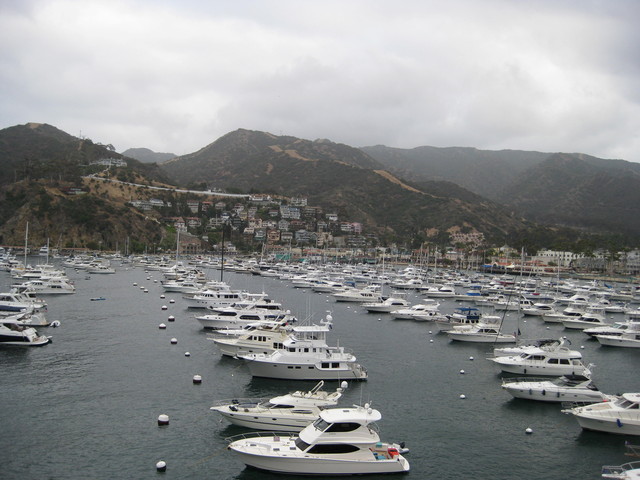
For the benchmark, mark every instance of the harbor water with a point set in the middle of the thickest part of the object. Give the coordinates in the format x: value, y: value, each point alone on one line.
x: 86, y: 405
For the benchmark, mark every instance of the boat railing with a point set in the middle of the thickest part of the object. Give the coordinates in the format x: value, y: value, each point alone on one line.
x: 567, y: 406
x: 239, y: 402
x: 615, y: 471
x: 524, y: 379
x: 245, y: 436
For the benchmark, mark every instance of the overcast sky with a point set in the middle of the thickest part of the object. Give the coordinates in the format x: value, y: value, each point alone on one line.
x: 173, y: 76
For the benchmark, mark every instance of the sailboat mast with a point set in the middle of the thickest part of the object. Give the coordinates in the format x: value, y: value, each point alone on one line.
x: 26, y: 242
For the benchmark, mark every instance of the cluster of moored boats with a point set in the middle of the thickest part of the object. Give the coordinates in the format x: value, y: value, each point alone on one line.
x: 314, y: 434
x: 549, y: 370
x: 22, y: 309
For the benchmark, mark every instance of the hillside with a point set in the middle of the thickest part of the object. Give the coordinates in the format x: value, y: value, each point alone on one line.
x: 580, y: 191
x: 484, y: 172
x: 98, y: 217
x: 339, y: 178
x: 40, y: 163
x: 146, y: 155
x: 559, y: 190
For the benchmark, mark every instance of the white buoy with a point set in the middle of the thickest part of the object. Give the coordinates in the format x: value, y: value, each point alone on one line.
x: 161, y: 466
x: 146, y: 291
x: 141, y: 287
x: 163, y: 420
x: 172, y: 301
x: 164, y: 307
x: 187, y: 354
x: 581, y: 347
x: 463, y: 396
x: 135, y: 284
x: 462, y: 372
x: 431, y: 341
x: 162, y: 296
x: 197, y: 379
x: 171, y: 318
x: 155, y: 281
x: 430, y: 332
x: 162, y: 326
x: 174, y: 341
x: 471, y: 358
x: 148, y: 278
x: 529, y: 431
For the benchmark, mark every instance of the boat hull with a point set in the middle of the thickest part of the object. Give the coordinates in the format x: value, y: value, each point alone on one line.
x: 616, y: 424
x: 294, y: 371
x: 25, y: 342
x: 267, y: 420
x: 328, y: 465
x: 544, y: 370
x: 618, y: 341
x: 473, y: 338
x: 553, y: 396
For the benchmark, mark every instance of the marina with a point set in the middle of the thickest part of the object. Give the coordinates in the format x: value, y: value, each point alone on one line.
x: 86, y: 405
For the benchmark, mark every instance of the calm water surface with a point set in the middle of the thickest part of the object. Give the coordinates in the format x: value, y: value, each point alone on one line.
x: 86, y: 406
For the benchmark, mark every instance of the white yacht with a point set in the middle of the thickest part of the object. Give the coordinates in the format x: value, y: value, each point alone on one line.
x: 419, y: 309
x: 626, y: 471
x: 386, y: 306
x: 480, y: 333
x: 568, y: 388
x: 306, y: 356
x: 13, y: 302
x: 262, y: 337
x: 538, y: 309
x: 47, y: 286
x: 368, y: 294
x: 13, y: 333
x: 211, y: 298
x: 557, y: 361
x: 629, y: 339
x: 231, y: 317
x: 620, y: 414
x: 617, y: 328
x: 341, y: 442
x: 444, y: 291
x: 572, y: 311
x: 289, y: 413
x: 592, y: 317
x: 185, y: 285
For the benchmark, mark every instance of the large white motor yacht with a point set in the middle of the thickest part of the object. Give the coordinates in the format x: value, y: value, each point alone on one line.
x: 557, y: 361
x: 568, y: 388
x: 620, y: 414
x: 386, y: 306
x: 306, y: 356
x: 617, y: 328
x: 629, y: 339
x: 485, y: 331
x: 341, y: 442
x: 13, y: 333
x: 410, y: 313
x: 368, y: 294
x: 290, y: 413
x: 47, y: 286
x: 230, y: 317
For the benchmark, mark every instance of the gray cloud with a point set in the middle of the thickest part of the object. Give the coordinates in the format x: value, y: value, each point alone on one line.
x: 174, y: 76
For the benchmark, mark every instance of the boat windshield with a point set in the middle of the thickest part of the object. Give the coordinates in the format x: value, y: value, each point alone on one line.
x: 301, y: 444
x: 275, y: 405
x: 627, y: 404
x: 320, y: 425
